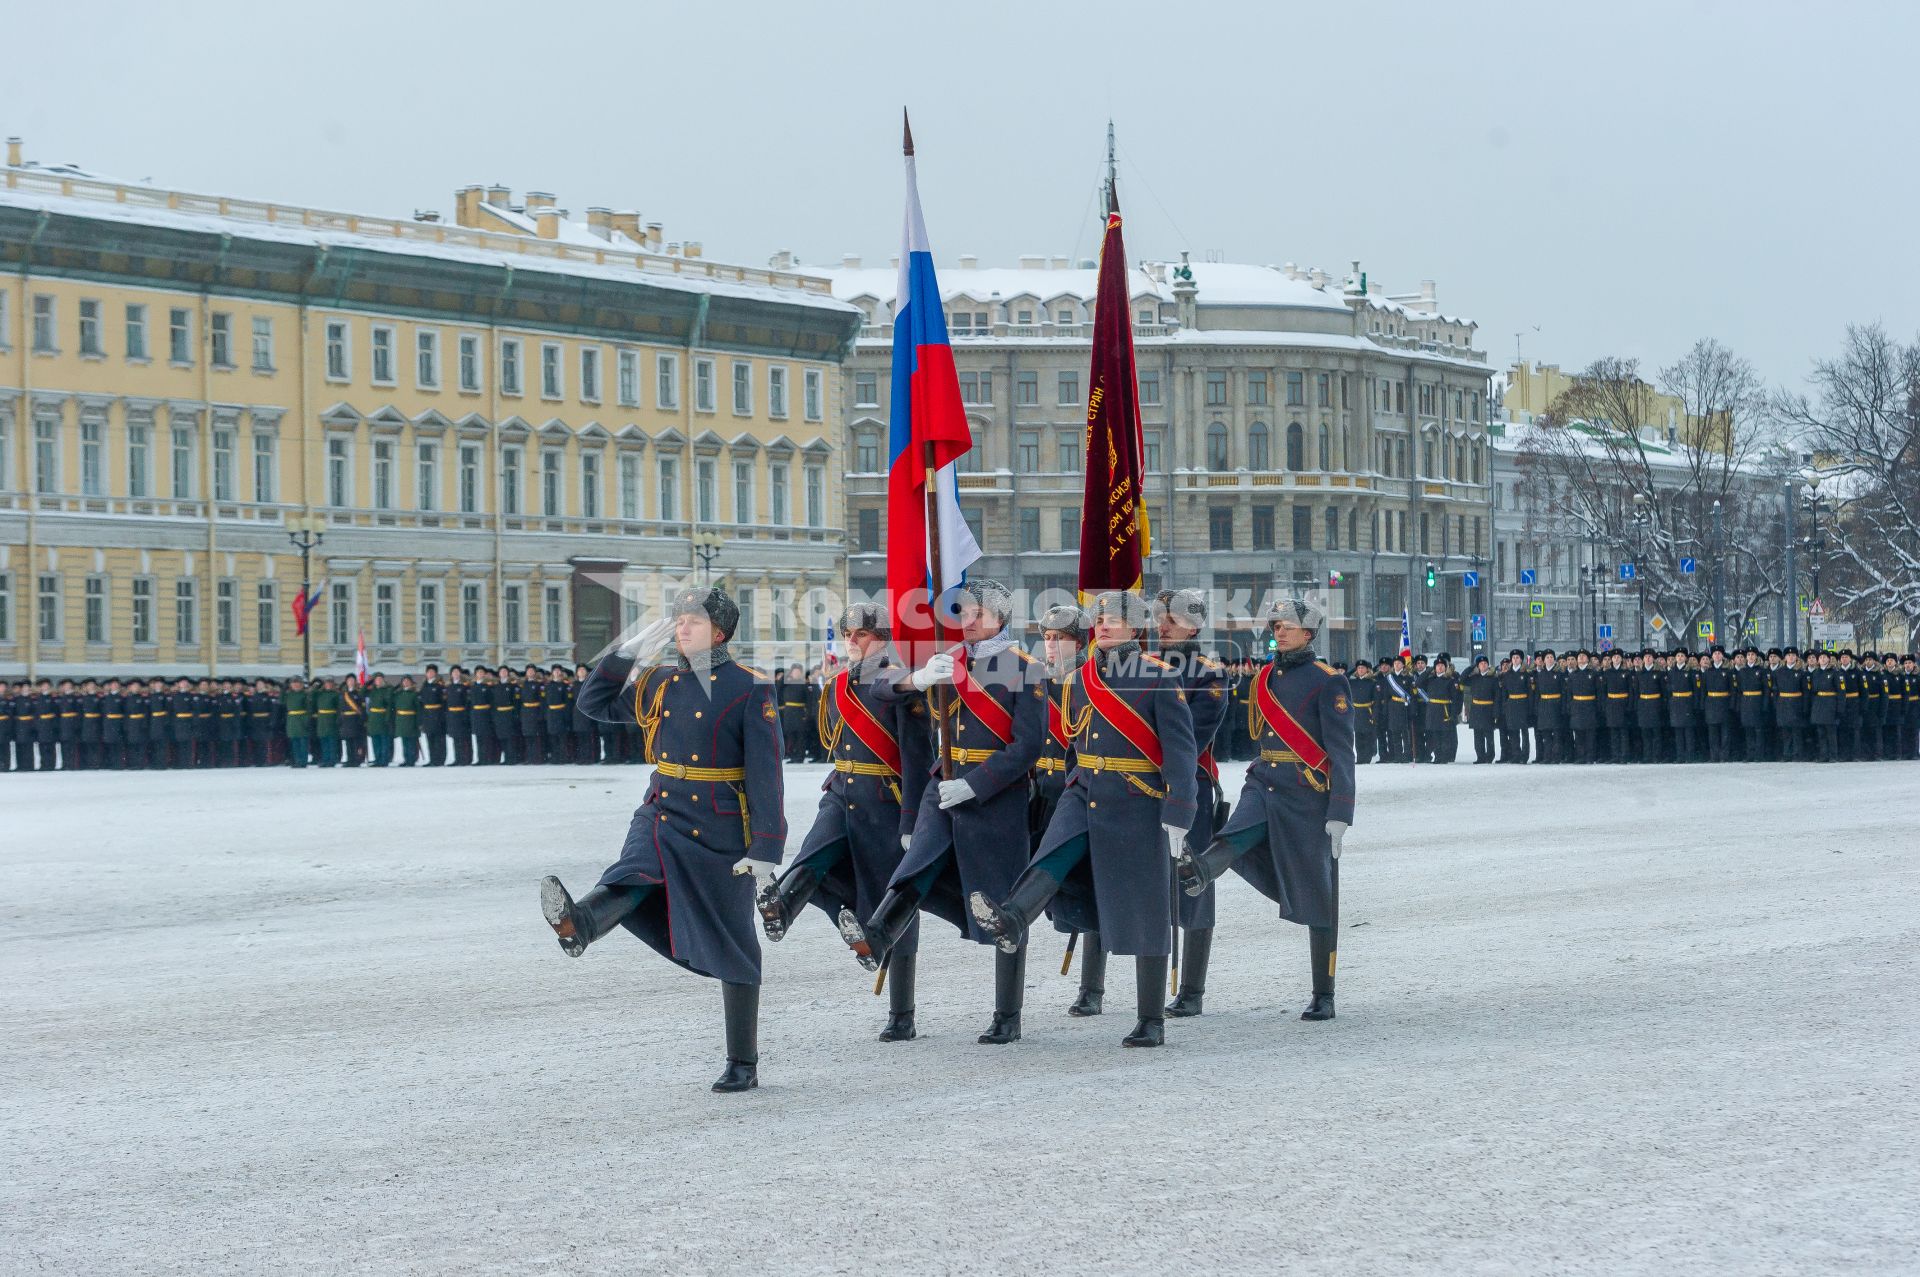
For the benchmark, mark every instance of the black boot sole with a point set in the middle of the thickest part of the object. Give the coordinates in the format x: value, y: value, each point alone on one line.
x: 856, y: 937
x: 1001, y: 1035
x: 557, y: 907
x: 1315, y: 1012
x: 993, y: 922
x: 728, y: 1085
x: 773, y: 918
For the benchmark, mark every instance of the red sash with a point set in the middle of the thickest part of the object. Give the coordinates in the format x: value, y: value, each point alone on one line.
x: 1286, y: 726
x: 872, y: 733
x: 1209, y: 766
x: 994, y: 716
x: 1125, y: 719
x: 1057, y: 726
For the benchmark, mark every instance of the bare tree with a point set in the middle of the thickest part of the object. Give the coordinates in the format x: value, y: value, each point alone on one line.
x: 1609, y: 465
x: 1862, y: 425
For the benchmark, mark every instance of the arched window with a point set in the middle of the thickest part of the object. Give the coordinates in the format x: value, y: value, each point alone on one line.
x: 1333, y: 529
x: 1326, y: 449
x: 1296, y: 447
x: 1259, y: 456
x: 1219, y: 456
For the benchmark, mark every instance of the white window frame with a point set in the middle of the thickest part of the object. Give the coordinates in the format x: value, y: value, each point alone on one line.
x: 180, y: 461
x: 590, y: 369
x: 180, y: 336
x: 553, y: 614
x: 705, y: 393
x: 472, y: 478
x: 666, y: 382
x: 590, y: 480
x: 426, y: 358
x: 226, y: 612
x: 779, y: 505
x: 743, y: 491
x: 266, y: 466
x: 220, y: 340
x: 339, y: 350
x: 386, y: 613
x: 666, y: 474
x: 266, y: 614
x: 383, y: 345
x: 815, y: 478
x: 473, y: 613
x: 553, y: 370
x: 93, y: 457
x: 706, y: 490
x: 553, y: 483
x: 186, y: 613
x: 45, y: 322
x: 513, y: 370
x: 96, y: 614
x: 473, y: 371
x: 426, y: 474
x: 93, y: 344
x: 426, y: 613
x: 139, y: 349
x: 140, y: 611
x: 777, y: 399
x: 813, y: 393
x: 261, y: 341
x: 513, y: 614
x: 340, y: 468
x: 740, y: 379
x: 382, y: 465
x: 139, y: 459
x: 341, y: 606
x: 632, y: 504
x: 626, y: 377
x: 225, y: 439
x: 49, y: 608
x: 511, y: 457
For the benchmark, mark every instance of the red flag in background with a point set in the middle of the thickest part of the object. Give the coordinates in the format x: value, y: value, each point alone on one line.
x: 1113, y: 514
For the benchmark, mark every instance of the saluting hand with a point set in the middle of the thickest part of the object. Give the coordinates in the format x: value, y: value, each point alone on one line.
x: 1337, y: 831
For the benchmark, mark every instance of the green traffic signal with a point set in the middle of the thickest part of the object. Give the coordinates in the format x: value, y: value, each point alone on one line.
x: 1431, y: 578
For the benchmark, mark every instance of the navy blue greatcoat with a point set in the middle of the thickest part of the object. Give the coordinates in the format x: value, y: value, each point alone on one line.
x: 986, y: 837
x: 1123, y: 888
x: 1207, y: 684
x: 862, y: 810
x: 688, y: 834
x: 1295, y: 866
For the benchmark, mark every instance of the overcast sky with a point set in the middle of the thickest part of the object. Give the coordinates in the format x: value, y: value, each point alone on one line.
x: 1601, y: 178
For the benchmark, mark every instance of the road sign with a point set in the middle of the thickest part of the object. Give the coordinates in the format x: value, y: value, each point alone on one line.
x: 1816, y: 609
x: 1479, y: 634
x: 1753, y: 625
x: 1527, y: 576
x: 1606, y: 631
x: 1626, y: 571
x: 1606, y: 645
x: 1656, y: 622
x: 1536, y: 609
x: 1704, y: 629
x: 1687, y: 566
x: 1833, y: 632
x: 1470, y: 579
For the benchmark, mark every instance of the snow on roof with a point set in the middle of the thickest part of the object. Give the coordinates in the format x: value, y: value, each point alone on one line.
x: 1309, y: 341
x: 1007, y: 283
x: 585, y: 255
x: 1236, y: 284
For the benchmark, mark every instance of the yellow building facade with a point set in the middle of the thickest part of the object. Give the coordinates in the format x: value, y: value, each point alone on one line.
x: 509, y: 430
x: 1532, y: 389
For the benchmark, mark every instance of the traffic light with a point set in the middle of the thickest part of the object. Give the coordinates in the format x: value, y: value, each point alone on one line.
x: 1272, y: 646
x: 1432, y: 577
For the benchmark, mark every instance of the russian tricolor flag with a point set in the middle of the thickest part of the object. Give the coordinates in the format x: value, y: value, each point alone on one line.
x: 928, y: 432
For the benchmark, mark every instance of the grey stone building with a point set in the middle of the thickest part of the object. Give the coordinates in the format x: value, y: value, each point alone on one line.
x: 1300, y: 431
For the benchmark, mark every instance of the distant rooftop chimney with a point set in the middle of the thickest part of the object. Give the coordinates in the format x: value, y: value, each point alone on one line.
x: 426, y: 215
x: 600, y: 222
x: 1032, y: 263
x: 13, y: 152
x: 627, y: 222
x: 782, y: 260
x: 539, y: 200
x: 968, y: 261
x: 1061, y: 263
x: 850, y: 261
x: 691, y: 249
x: 499, y: 196
x: 546, y: 221
x: 655, y: 233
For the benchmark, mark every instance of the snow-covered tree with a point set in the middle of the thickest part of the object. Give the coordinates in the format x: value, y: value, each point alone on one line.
x: 1861, y: 425
x: 1637, y: 474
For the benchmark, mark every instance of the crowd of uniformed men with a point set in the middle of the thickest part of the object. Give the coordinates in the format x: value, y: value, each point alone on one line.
x: 1650, y: 707
x: 482, y: 716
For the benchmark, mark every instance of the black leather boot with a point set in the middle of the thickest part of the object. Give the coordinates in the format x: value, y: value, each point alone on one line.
x: 1009, y: 988
x: 580, y: 922
x: 742, y: 1005
x: 1320, y: 940
x: 781, y: 900
x: 1193, y: 973
x: 873, y: 939
x: 1197, y: 870
x: 1093, y: 976
x: 1007, y: 923
x: 1150, y: 982
x: 899, y: 999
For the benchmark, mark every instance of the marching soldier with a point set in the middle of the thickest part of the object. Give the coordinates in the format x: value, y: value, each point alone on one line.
x: 1365, y: 691
x: 1441, y: 692
x: 1549, y: 709
x: 1396, y: 746
x: 1063, y: 632
x: 971, y: 831
x: 866, y: 815
x: 1134, y: 770
x: 1182, y: 614
x: 1297, y: 805
x: 1681, y: 686
x: 1516, y: 708
x: 793, y: 714
x: 1483, y: 707
x: 714, y: 808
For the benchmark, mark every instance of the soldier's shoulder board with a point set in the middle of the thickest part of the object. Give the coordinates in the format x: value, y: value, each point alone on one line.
x: 1326, y: 668
x: 1154, y: 662
x: 1022, y: 653
x: 754, y: 673
x: 1207, y: 663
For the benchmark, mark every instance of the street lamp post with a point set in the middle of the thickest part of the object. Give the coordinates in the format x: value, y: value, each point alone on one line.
x: 1719, y: 582
x: 306, y: 533
x: 1640, y: 521
x: 1792, y: 599
x: 707, y: 545
x: 1814, y: 548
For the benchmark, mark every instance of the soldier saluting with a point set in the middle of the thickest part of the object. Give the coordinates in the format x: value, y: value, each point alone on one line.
x: 713, y: 808
x: 1135, y: 769
x: 1286, y: 830
x: 867, y: 812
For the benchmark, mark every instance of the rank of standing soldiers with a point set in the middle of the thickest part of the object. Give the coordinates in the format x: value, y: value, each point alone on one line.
x: 1649, y: 707
x: 465, y: 717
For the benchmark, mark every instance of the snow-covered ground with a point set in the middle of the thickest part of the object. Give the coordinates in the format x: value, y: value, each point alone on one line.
x: 1605, y: 1020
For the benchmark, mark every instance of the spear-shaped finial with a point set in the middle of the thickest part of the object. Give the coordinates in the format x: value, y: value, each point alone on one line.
x: 906, y: 131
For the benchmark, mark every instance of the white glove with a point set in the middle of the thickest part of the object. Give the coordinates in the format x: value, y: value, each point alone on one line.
x: 906, y: 842
x: 1336, y: 831
x: 1176, y: 840
x: 938, y: 669
x: 762, y: 873
x: 644, y: 646
x: 954, y: 792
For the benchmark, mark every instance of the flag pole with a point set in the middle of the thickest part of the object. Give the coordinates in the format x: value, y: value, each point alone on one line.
x: 936, y: 587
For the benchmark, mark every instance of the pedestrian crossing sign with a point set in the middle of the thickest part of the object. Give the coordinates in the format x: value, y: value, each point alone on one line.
x: 1536, y: 609
x: 1704, y: 629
